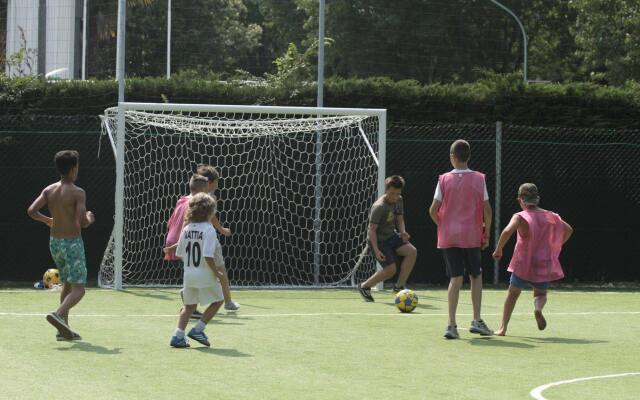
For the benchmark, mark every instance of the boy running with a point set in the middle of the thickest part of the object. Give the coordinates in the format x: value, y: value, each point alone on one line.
x: 462, y: 212
x: 535, y: 260
x: 388, y: 238
x: 197, y: 249
x: 66, y: 203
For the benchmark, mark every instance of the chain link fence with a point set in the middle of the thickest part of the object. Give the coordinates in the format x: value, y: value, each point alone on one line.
x: 589, y: 176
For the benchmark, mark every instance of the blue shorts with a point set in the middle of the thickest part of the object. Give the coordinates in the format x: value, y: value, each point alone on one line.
x: 522, y: 284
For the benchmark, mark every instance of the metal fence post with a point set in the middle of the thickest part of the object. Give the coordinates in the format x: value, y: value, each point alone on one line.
x: 496, y: 213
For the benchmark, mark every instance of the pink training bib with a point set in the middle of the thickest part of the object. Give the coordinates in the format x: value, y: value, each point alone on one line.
x: 536, y: 256
x: 461, y: 213
x: 174, y: 225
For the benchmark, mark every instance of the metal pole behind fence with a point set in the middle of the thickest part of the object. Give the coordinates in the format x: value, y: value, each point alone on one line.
x: 496, y: 218
x: 169, y: 39
x: 317, y: 223
x: 84, y: 40
x: 122, y: 13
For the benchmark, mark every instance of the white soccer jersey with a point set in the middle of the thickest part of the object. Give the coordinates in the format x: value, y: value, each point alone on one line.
x: 197, y: 241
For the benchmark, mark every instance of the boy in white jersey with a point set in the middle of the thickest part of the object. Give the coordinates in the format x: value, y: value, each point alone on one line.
x: 197, y: 249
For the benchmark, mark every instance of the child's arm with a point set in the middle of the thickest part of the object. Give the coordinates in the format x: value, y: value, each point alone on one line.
x: 170, y: 249
x: 373, y: 238
x: 506, y: 235
x: 221, y: 229
x: 212, y: 264
x: 403, y: 230
x: 488, y: 216
x: 36, y: 206
x: 84, y: 217
x: 568, y: 231
x: 433, y: 210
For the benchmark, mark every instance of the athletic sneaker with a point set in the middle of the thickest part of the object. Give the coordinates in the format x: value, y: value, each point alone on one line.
x: 199, y: 336
x: 365, y: 293
x: 232, y: 305
x: 179, y: 343
x: 480, y: 327
x: 60, y: 324
x: 451, y: 332
x: 196, y: 315
x: 542, y: 323
x: 397, y: 289
x: 61, y: 338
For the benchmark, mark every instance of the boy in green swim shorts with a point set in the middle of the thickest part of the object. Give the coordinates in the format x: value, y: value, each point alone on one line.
x: 66, y: 203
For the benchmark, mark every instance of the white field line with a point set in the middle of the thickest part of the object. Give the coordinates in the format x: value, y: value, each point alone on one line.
x: 537, y: 392
x: 391, y: 314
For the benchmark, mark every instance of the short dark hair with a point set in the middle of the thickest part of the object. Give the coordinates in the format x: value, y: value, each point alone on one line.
x: 461, y: 150
x: 66, y: 160
x: 208, y: 171
x: 198, y: 183
x: 394, y: 181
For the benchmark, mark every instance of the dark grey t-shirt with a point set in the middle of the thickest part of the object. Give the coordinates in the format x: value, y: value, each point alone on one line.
x: 384, y: 215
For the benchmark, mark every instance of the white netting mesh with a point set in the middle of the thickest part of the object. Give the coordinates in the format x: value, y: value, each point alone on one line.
x: 267, y: 194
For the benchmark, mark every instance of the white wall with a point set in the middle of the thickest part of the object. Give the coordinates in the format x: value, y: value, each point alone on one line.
x: 22, y: 14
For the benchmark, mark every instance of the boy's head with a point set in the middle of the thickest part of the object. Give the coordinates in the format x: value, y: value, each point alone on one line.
x: 393, y: 188
x: 460, y: 152
x: 67, y: 162
x: 528, y: 195
x: 198, y: 184
x: 201, y: 208
x: 209, y: 172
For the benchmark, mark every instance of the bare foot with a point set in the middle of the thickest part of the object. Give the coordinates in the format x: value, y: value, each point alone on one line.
x: 500, y: 332
x: 542, y: 323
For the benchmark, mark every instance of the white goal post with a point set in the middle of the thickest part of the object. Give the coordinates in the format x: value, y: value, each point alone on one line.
x: 296, y: 187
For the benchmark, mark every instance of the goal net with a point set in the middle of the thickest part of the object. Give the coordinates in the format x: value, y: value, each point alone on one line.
x: 295, y: 189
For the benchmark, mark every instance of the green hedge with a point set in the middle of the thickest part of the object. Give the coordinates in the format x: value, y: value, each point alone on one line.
x: 503, y: 98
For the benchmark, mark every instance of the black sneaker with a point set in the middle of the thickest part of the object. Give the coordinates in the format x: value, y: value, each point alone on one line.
x: 365, y: 293
x: 397, y: 289
x: 196, y: 315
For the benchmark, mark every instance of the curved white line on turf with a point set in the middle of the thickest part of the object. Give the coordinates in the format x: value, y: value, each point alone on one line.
x: 537, y: 392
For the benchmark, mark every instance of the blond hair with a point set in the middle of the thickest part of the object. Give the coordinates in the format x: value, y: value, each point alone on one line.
x: 201, y: 208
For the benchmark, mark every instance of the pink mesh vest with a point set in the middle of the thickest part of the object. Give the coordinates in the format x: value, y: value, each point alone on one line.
x: 536, y: 256
x: 461, y: 213
x: 174, y: 225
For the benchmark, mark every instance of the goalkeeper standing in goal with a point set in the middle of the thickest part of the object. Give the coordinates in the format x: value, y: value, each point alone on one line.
x: 388, y: 238
x: 200, y: 255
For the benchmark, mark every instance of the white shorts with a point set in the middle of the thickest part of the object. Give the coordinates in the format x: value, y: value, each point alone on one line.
x: 218, y: 258
x: 204, y: 296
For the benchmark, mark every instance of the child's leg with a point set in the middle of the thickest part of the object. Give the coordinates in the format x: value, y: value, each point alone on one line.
x: 453, y: 295
x: 66, y: 289
x: 185, y: 313
x: 380, y: 276
x: 75, y: 295
x: 476, y: 295
x: 509, y: 304
x: 539, y: 300
x: 410, y: 253
x: 224, y: 282
x: 210, y: 312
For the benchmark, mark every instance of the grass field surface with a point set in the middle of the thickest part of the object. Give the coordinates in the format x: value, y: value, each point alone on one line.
x: 319, y: 344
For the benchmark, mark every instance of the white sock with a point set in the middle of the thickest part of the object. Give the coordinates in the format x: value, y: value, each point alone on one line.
x: 179, y: 333
x: 200, y: 326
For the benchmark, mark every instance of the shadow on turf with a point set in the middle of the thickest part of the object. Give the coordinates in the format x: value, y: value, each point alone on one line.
x: 497, y: 342
x: 92, y: 348
x: 559, y: 340
x: 221, y: 352
x: 154, y: 294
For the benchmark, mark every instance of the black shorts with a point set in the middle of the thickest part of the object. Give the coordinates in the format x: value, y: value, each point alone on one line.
x: 459, y: 260
x: 388, y: 247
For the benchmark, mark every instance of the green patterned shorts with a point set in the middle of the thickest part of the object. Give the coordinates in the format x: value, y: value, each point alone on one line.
x: 68, y: 254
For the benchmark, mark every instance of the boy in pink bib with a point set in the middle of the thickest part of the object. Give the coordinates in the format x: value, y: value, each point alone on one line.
x: 535, y: 260
x: 463, y: 214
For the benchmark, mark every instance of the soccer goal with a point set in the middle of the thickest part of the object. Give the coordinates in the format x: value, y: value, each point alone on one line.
x: 295, y: 189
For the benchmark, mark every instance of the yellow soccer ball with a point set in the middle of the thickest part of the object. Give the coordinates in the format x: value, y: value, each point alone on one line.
x: 406, y: 300
x: 51, y: 277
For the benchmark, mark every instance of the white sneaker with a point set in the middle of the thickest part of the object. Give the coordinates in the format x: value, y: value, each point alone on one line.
x: 480, y: 327
x: 232, y: 305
